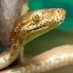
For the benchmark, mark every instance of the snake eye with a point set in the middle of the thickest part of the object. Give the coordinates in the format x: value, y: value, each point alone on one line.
x: 36, y: 16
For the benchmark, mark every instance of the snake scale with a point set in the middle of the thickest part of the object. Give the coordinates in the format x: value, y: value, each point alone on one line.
x: 26, y: 28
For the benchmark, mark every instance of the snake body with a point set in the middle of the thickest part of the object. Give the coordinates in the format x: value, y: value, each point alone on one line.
x: 56, y: 57
x: 27, y: 28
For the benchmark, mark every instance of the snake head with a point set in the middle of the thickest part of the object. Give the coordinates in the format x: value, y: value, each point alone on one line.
x: 45, y: 18
x: 48, y: 18
x: 38, y: 22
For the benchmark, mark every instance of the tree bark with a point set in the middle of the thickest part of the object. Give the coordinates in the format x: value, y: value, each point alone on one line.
x: 10, y: 11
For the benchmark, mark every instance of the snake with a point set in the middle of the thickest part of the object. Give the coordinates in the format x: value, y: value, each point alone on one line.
x: 27, y: 28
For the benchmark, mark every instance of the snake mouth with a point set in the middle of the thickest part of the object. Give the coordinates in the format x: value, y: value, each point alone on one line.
x: 46, y: 24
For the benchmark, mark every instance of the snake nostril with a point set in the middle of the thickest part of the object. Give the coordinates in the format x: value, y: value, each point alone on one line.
x: 58, y: 10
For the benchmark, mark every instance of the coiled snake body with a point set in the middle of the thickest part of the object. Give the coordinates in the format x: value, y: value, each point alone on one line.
x: 27, y: 28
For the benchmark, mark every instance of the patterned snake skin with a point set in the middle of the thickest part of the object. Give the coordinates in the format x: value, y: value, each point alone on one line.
x: 28, y: 27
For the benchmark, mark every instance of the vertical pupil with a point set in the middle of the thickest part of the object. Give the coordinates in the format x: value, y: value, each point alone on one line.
x: 37, y: 16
